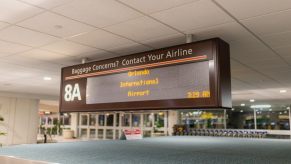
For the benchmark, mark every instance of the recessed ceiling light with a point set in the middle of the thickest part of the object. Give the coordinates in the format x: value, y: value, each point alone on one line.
x: 46, y: 78
x: 252, y: 100
x: 283, y: 91
x: 241, y: 111
x: 242, y: 104
x: 232, y: 109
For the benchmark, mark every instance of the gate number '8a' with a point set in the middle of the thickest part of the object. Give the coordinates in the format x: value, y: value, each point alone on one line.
x: 72, y: 92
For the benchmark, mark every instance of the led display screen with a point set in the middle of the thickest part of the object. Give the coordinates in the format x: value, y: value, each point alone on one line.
x: 193, y: 75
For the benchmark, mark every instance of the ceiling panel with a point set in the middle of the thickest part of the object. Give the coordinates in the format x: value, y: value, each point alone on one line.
x: 278, y: 39
x: 10, y: 48
x: 237, y: 85
x: 56, y: 25
x: 24, y: 36
x: 70, y: 48
x: 247, y: 56
x: 151, y: 6
x: 130, y: 49
x: 48, y: 4
x: 43, y: 55
x: 3, y: 25
x: 13, y: 11
x: 143, y: 28
x: 101, y: 39
x: 270, y: 23
x: 98, y: 55
x: 228, y: 32
x: 267, y: 63
x: 99, y: 13
x: 242, y: 9
x: 193, y: 16
x: 165, y: 41
x: 284, y: 51
x: 246, y: 44
x: 33, y: 65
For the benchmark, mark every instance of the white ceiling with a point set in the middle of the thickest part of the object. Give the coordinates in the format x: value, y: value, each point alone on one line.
x: 38, y: 37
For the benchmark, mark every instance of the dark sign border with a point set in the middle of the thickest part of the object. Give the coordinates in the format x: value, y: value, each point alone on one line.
x: 217, y: 52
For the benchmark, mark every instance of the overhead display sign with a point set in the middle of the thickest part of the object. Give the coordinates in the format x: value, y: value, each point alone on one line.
x: 193, y: 75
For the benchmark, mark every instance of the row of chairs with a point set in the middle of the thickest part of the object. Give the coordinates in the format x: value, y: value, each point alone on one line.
x: 223, y: 133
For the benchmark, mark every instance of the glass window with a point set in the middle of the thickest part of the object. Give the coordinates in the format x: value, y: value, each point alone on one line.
x: 109, y: 134
x: 117, y: 120
x: 147, y: 133
x: 109, y: 119
x: 83, y: 133
x: 67, y: 119
x: 92, y: 119
x: 148, y: 120
x: 159, y: 120
x: 116, y: 134
x: 55, y: 120
x: 240, y: 118
x: 101, y: 119
x: 272, y: 120
x: 92, y: 133
x: 135, y: 120
x: 43, y: 120
x: 100, y: 133
x: 125, y: 119
x: 84, y: 120
x: 49, y: 121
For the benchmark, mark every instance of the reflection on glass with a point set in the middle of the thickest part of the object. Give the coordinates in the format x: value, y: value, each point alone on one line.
x: 109, y: 134
x: 146, y: 133
x: 55, y: 120
x: 100, y: 133
x: 92, y: 133
x: 116, y: 134
x: 148, y: 120
x: 84, y: 120
x: 67, y: 119
x: 43, y: 120
x: 83, y: 133
x: 109, y: 119
x: 240, y: 119
x: 202, y: 119
x: 101, y: 120
x: 125, y: 119
x: 272, y: 120
x: 92, y: 119
x: 49, y: 121
x: 117, y: 120
x: 159, y: 120
x: 135, y: 120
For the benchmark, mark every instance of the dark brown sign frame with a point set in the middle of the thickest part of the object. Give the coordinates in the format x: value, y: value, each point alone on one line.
x: 215, y: 50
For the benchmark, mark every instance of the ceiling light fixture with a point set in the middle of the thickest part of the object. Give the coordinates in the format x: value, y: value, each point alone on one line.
x: 261, y: 106
x: 283, y: 91
x: 46, y: 78
x: 242, y: 104
x: 252, y: 100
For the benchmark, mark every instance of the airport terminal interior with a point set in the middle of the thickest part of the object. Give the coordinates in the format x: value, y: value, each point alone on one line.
x: 145, y: 81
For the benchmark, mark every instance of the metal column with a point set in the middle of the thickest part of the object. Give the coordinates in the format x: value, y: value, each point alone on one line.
x: 255, y: 118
